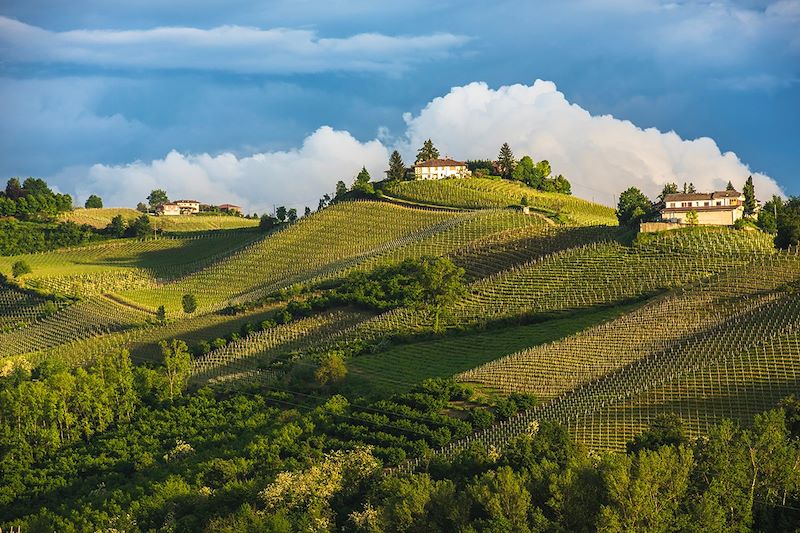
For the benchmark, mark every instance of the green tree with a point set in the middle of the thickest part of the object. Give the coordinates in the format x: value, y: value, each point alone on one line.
x: 177, y: 366
x: 644, y: 491
x: 93, y: 202
x: 341, y: 190
x: 189, y: 303
x: 504, y: 500
x: 362, y: 184
x: 306, y: 211
x: 140, y: 227
x: 141, y: 207
x: 161, y: 314
x: 267, y: 222
x: 116, y: 227
x: 291, y: 215
x: 633, y: 206
x: 157, y: 197
x: 442, y: 283
x: 524, y: 170
x: 14, y: 189
x: 730, y: 187
x: 689, y: 189
x: 541, y: 172
x: 281, y: 213
x: 665, y: 430
x: 788, y: 224
x: 562, y: 185
x: 397, y: 169
x: 506, y: 162
x: 330, y: 368
x: 20, y: 268
x: 692, y: 218
x: 749, y: 197
x: 428, y: 151
x: 669, y: 188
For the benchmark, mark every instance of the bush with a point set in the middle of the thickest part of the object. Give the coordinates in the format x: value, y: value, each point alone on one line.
x: 480, y: 418
x: 189, y: 303
x: 20, y: 268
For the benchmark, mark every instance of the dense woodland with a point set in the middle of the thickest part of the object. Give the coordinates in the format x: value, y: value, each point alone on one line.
x: 110, y: 448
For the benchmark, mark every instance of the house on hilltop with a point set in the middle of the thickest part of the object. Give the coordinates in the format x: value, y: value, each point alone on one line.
x: 230, y: 208
x: 436, y: 169
x: 168, y: 209
x: 188, y: 207
x: 720, y: 208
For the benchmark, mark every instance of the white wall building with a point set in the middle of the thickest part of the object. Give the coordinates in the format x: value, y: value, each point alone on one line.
x: 436, y: 169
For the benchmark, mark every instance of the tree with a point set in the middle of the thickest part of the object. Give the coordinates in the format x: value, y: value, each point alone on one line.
x: 177, y: 366
x: 141, y: 207
x: 93, y: 202
x: 669, y: 188
x: 362, y: 184
x: 665, y: 430
x: 524, y: 171
x: 749, y: 197
x: 20, y: 268
x: 341, y: 190
x: 189, y: 303
x: 306, y: 211
x: 692, y: 218
x: 503, y: 498
x: 157, y: 197
x: 330, y: 369
x: 789, y: 224
x: 281, y: 213
x: 633, y: 206
x: 161, y: 314
x: 689, y: 189
x: 140, y: 227
x: 442, y: 284
x: 730, y: 187
x: 506, y: 161
x: 428, y: 151
x: 562, y: 185
x: 397, y: 169
x: 14, y: 189
x: 116, y: 227
x: 291, y: 215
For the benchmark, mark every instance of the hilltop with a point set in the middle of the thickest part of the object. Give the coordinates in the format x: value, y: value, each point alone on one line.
x: 424, y: 319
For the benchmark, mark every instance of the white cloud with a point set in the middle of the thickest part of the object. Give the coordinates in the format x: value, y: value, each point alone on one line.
x: 229, y: 48
x: 295, y: 178
x: 601, y: 155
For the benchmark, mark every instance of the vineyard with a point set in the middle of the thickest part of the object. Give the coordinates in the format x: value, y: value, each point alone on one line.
x: 483, y: 193
x: 101, y: 217
x: 608, y: 330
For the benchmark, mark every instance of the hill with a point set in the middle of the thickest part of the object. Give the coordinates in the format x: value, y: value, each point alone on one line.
x: 563, y: 332
x: 101, y: 217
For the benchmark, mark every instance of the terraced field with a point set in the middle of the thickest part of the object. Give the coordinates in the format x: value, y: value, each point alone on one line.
x: 483, y: 193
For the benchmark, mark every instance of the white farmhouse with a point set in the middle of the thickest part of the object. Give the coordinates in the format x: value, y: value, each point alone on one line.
x: 168, y: 209
x: 188, y: 207
x: 720, y: 208
x: 436, y: 169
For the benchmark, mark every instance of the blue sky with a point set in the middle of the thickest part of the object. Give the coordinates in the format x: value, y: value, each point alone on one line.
x: 194, y: 93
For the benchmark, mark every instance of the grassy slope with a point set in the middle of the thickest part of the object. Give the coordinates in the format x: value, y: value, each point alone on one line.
x: 400, y: 367
x: 484, y: 193
x: 101, y: 217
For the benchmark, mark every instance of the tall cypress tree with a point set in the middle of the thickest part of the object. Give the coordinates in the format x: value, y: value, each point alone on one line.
x: 506, y: 161
x: 428, y: 151
x: 749, y: 197
x: 397, y: 169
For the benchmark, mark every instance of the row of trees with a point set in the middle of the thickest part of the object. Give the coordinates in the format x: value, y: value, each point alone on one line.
x: 32, y: 200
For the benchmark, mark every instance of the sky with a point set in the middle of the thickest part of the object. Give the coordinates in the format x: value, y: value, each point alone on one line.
x: 270, y: 103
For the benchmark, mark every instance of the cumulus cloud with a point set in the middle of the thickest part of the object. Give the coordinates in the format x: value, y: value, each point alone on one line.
x: 295, y: 178
x: 601, y: 155
x: 229, y: 48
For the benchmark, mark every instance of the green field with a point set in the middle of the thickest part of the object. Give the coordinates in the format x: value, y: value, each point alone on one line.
x: 483, y: 193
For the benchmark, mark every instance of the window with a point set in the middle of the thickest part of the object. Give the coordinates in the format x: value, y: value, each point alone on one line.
x: 705, y: 204
x: 719, y: 203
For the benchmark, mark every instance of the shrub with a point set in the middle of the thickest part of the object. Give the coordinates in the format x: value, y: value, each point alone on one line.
x: 20, y: 268
x: 480, y: 418
x: 189, y: 303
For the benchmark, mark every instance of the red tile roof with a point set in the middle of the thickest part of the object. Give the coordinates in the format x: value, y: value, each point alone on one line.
x: 441, y: 163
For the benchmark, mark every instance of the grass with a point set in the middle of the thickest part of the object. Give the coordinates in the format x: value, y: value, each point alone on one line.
x: 400, y: 367
x: 483, y: 193
x: 101, y: 217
